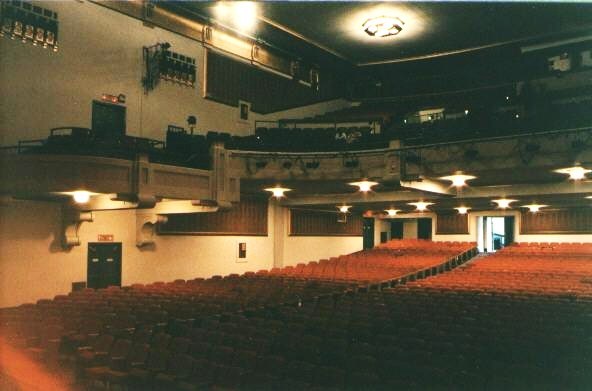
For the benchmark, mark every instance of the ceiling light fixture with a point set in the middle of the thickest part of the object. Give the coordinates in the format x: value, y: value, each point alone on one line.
x: 534, y: 207
x: 81, y: 196
x: 383, y: 26
x: 503, y: 203
x: 344, y: 208
x: 278, y: 191
x: 391, y: 212
x: 462, y: 210
x: 421, y: 206
x: 575, y: 173
x: 363, y: 186
x: 459, y: 179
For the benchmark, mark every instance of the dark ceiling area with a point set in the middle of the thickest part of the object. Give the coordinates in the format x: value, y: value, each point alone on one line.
x: 430, y: 29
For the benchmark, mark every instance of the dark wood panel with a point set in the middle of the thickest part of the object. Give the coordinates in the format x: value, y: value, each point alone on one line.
x: 249, y: 217
x: 229, y: 81
x: 319, y: 223
x: 452, y: 224
x: 565, y: 221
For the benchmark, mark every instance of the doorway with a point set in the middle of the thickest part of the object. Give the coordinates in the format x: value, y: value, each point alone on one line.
x: 494, y: 233
x: 397, y: 229
x: 103, y: 265
x: 368, y: 233
x: 424, y: 228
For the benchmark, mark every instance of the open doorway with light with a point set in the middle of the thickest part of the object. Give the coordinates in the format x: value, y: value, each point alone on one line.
x: 494, y: 232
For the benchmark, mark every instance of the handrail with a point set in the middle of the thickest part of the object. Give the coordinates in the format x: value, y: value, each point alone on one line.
x: 369, y: 152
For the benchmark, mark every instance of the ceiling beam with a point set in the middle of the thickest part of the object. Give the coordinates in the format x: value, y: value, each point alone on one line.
x: 429, y: 186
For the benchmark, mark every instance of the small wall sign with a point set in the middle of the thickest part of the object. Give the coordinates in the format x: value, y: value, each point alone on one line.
x: 105, y: 237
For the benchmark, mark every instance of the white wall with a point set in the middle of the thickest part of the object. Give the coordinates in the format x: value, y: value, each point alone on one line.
x: 33, y: 265
x: 100, y: 51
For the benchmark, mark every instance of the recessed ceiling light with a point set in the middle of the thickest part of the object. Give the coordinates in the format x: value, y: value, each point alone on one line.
x: 576, y: 172
x: 278, y: 191
x: 462, y: 209
x: 383, y: 26
x: 421, y: 205
x: 364, y: 186
x: 344, y: 208
x: 391, y: 212
x: 458, y: 180
x: 534, y: 207
x: 503, y: 203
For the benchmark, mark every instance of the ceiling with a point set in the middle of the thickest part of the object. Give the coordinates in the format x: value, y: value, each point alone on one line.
x: 431, y: 29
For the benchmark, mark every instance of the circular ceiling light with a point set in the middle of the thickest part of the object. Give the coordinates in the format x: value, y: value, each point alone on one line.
x: 392, y: 212
x: 277, y: 192
x: 459, y: 179
x: 364, y: 186
x: 462, y: 210
x: 503, y: 203
x: 575, y: 173
x: 383, y: 26
x: 533, y: 208
x: 344, y: 208
x: 421, y: 206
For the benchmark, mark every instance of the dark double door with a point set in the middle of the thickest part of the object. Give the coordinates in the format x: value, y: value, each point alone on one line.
x: 103, y: 265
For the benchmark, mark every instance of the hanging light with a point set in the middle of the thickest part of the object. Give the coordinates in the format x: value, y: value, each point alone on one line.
x: 503, y: 203
x: 575, y: 173
x: 533, y: 208
x: 363, y: 186
x: 421, y: 206
x: 344, y: 208
x: 391, y: 212
x: 458, y: 179
x: 462, y: 210
x: 81, y: 196
x: 278, y: 191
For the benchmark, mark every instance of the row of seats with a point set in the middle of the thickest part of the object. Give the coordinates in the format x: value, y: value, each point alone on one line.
x: 83, y: 329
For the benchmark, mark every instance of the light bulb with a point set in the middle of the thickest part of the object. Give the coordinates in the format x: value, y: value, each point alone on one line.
x: 534, y: 207
x: 458, y: 180
x: 503, y: 203
x: 277, y: 192
x: 575, y: 173
x: 421, y: 205
x: 462, y: 210
x: 364, y: 186
x: 81, y: 196
x: 344, y: 208
x: 392, y: 212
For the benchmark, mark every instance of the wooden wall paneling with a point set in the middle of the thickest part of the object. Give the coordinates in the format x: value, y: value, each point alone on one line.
x: 320, y: 223
x: 563, y: 221
x: 452, y: 224
x: 230, y: 81
x: 249, y: 217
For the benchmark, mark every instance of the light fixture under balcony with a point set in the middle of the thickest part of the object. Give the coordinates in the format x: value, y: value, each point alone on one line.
x: 459, y: 179
x: 575, y: 173
x: 278, y: 191
x: 421, y: 206
x: 81, y: 196
x: 392, y: 212
x: 364, y: 186
x: 383, y: 26
x: 533, y: 208
x: 344, y: 208
x: 503, y: 203
x: 462, y: 210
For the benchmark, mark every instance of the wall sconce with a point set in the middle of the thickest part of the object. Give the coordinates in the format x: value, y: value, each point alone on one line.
x: 278, y: 191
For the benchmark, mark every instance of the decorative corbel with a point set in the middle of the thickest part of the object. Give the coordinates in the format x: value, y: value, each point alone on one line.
x: 72, y: 219
x: 145, y: 227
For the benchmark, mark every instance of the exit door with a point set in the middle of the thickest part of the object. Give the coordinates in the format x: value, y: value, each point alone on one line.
x: 424, y: 228
x: 397, y: 229
x: 368, y: 233
x: 103, y: 265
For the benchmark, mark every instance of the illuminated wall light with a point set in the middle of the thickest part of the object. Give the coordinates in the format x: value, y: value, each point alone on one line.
x: 383, y: 26
x: 503, y: 203
x: 462, y: 210
x: 421, y: 206
x: 364, y: 186
x: 575, y: 173
x: 458, y: 180
x: 533, y: 208
x: 466, y: 112
x: 278, y: 191
x: 391, y: 212
x: 344, y: 208
x: 81, y: 196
